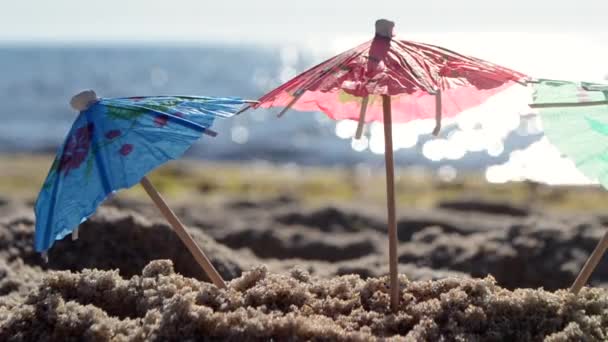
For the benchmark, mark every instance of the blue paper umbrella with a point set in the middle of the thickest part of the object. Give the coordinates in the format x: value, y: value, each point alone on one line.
x: 112, y: 145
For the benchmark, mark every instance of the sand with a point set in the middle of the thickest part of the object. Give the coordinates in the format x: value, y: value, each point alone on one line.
x: 159, y: 305
x: 303, y: 272
x: 306, y: 257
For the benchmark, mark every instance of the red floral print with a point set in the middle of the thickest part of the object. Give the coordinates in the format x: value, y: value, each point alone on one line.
x: 126, y: 149
x: 112, y: 134
x: 161, y: 120
x: 76, y: 149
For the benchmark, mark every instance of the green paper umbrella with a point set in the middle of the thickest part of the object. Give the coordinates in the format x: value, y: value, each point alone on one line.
x: 575, y: 119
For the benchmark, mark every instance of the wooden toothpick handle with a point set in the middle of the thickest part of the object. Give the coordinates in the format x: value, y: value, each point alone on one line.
x: 590, y: 265
x: 293, y: 101
x: 390, y: 203
x: 361, y: 122
x: 180, y: 230
x: 438, y: 112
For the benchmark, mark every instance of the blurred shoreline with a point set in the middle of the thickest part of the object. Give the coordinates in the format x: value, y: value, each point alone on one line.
x: 21, y: 176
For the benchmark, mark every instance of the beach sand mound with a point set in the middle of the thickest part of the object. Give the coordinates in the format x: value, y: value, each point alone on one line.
x: 160, y: 305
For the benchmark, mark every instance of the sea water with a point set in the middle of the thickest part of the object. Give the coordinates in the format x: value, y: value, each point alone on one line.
x: 36, y: 83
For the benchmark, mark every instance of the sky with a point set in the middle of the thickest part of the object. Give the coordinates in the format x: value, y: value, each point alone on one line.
x: 534, y: 36
x: 285, y: 20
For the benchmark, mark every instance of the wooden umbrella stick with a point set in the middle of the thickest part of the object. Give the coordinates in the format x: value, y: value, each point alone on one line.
x: 438, y: 112
x: 361, y: 122
x: 390, y: 199
x: 569, y: 104
x: 179, y: 228
x: 242, y: 110
x: 249, y: 103
x: 210, y: 132
x: 590, y: 265
x: 293, y: 101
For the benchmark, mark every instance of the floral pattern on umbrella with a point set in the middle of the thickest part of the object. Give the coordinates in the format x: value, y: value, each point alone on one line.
x: 111, y: 146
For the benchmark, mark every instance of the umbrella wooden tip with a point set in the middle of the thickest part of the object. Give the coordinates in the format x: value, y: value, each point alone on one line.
x: 436, y: 131
x: 384, y: 28
x: 83, y: 100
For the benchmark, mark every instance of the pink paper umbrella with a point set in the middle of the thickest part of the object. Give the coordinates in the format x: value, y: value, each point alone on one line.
x: 389, y: 80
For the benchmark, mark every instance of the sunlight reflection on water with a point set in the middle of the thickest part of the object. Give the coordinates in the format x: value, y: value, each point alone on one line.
x: 480, y: 129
